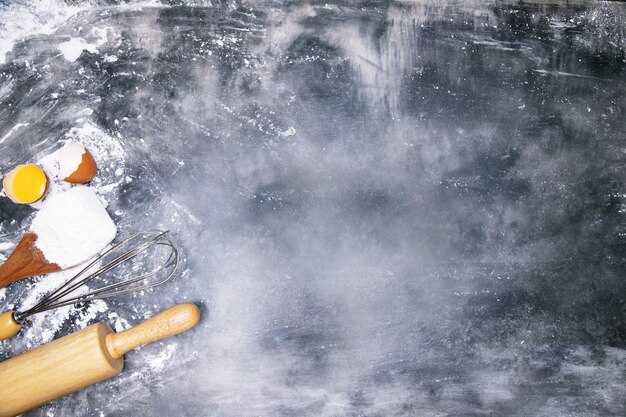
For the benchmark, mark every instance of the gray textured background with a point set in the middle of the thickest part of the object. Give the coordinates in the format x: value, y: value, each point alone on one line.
x: 386, y: 208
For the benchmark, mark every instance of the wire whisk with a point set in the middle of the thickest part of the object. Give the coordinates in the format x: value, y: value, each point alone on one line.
x: 126, y: 258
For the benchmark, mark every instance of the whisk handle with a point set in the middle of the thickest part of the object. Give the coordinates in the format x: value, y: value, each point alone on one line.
x: 170, y: 322
x: 8, y: 325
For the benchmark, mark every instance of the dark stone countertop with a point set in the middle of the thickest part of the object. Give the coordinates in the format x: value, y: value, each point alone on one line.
x: 384, y: 208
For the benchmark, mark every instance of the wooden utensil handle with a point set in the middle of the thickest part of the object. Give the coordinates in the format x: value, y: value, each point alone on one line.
x: 170, y: 322
x: 26, y: 260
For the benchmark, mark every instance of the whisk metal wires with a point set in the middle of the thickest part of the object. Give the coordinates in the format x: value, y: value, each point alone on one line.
x: 121, y: 254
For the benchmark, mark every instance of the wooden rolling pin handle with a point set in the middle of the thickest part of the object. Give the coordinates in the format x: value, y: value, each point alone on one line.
x: 170, y: 322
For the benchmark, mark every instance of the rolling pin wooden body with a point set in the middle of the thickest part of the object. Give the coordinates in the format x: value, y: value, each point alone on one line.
x: 81, y: 359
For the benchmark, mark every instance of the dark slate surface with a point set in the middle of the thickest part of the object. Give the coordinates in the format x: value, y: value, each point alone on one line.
x: 391, y: 209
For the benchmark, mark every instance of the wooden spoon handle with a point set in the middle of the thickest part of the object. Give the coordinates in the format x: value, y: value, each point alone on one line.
x: 170, y: 322
x: 26, y: 260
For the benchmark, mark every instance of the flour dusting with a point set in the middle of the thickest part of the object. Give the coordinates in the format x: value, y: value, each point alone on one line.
x: 42, y: 328
x: 158, y: 361
x: 73, y: 227
x: 25, y: 20
x: 73, y: 48
x: 5, y: 246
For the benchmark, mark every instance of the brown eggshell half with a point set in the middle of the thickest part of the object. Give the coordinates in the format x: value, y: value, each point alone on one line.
x: 86, y: 170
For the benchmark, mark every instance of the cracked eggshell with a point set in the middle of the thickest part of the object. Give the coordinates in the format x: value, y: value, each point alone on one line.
x: 76, y: 164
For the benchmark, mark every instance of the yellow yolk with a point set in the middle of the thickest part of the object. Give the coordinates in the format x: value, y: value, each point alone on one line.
x: 25, y: 184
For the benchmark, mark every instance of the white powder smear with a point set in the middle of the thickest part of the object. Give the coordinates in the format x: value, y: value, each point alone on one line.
x: 13, y: 130
x: 289, y: 132
x: 72, y: 49
x: 25, y: 20
x: 5, y: 246
x: 72, y: 227
x: 164, y: 356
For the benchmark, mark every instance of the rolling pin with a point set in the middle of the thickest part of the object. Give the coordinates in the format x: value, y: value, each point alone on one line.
x: 80, y: 359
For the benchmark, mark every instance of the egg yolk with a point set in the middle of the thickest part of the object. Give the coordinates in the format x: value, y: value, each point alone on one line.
x: 27, y: 185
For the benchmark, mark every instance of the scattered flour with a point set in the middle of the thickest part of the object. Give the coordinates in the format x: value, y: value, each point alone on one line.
x: 13, y: 130
x: 158, y: 361
x: 289, y: 132
x: 72, y: 49
x: 20, y: 21
x: 72, y: 227
x: 41, y: 328
x: 117, y: 323
x: 50, y: 165
x: 5, y: 246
